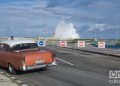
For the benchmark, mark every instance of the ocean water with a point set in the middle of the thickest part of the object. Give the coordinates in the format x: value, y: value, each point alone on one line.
x: 113, y: 46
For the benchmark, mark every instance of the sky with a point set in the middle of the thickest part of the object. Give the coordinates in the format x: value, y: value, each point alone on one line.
x: 31, y: 18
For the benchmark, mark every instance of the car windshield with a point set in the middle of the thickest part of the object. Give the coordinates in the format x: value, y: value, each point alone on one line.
x: 24, y: 46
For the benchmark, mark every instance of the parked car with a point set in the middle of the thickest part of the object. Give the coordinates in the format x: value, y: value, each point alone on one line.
x: 24, y: 55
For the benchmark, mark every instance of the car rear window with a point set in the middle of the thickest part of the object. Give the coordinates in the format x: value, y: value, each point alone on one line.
x: 25, y: 46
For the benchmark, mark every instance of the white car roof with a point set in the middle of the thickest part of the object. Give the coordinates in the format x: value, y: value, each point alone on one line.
x: 11, y: 43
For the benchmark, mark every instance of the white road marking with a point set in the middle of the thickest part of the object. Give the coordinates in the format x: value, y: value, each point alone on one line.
x: 65, y: 61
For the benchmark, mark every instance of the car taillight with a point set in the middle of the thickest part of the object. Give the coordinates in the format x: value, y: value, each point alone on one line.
x: 23, y: 61
x: 23, y: 64
x: 53, y: 57
x: 54, y: 60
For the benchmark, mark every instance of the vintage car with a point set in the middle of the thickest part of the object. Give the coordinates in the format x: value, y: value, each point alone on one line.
x: 24, y: 55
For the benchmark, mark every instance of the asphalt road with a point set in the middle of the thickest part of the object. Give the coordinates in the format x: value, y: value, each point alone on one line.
x: 75, y: 68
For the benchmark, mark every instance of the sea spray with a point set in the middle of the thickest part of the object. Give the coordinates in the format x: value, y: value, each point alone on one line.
x: 66, y: 31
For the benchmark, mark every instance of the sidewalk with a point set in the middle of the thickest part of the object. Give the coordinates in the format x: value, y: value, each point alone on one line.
x: 106, y: 51
x: 92, y: 49
x: 5, y: 81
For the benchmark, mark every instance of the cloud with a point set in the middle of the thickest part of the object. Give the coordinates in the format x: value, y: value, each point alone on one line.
x: 87, y: 10
x: 100, y: 27
x: 102, y: 15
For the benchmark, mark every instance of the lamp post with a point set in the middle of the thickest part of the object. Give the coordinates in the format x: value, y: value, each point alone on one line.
x: 116, y: 35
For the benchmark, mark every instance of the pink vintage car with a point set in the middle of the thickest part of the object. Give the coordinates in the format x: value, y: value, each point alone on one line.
x: 24, y: 55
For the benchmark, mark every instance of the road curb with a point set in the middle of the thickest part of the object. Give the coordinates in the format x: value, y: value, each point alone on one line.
x: 13, y: 79
x: 95, y: 52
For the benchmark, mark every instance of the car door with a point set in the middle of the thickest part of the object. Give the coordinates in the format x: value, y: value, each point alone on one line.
x: 2, y: 49
x: 4, y: 54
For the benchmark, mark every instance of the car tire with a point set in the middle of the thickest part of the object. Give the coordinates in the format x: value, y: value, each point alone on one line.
x: 12, y: 70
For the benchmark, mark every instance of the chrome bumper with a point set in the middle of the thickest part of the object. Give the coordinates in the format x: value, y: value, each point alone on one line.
x: 52, y: 64
x: 26, y: 68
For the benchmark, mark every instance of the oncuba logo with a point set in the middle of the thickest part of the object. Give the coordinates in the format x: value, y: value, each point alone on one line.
x: 114, y: 74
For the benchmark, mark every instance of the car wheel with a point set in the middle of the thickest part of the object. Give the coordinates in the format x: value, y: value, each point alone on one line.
x: 12, y: 69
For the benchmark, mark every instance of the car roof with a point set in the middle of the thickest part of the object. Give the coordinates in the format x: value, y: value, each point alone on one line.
x: 12, y: 43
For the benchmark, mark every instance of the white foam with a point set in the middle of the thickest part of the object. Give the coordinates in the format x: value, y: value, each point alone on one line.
x: 66, y: 31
